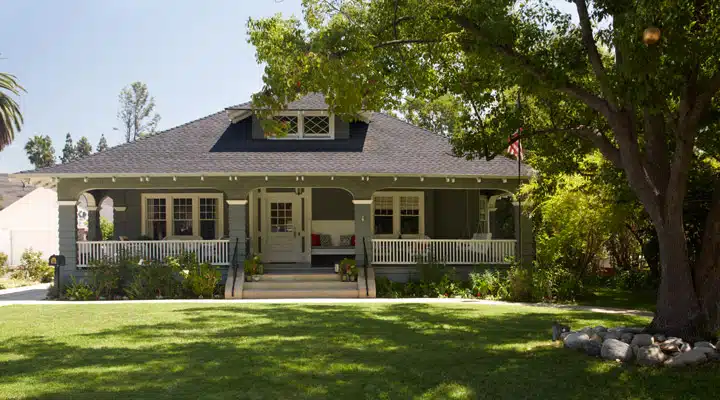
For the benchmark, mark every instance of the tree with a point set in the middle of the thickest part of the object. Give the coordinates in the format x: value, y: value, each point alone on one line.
x: 136, y: 111
x: 107, y: 228
x: 440, y: 115
x: 68, y: 152
x: 645, y: 97
x: 10, y: 117
x: 83, y: 148
x: 102, y: 144
x: 40, y: 151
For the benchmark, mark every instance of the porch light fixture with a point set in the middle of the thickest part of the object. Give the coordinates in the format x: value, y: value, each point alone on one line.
x: 266, y: 178
x: 85, y: 179
x: 452, y: 180
x: 367, y: 178
x: 302, y: 178
x: 141, y: 179
x: 297, y: 178
x: 202, y: 178
x: 362, y: 178
x: 332, y: 178
x: 479, y: 180
x: 422, y: 179
x: 504, y: 180
x: 395, y: 178
x: 230, y: 178
x: 174, y: 178
x: 113, y: 179
x: 235, y: 178
x: 447, y: 179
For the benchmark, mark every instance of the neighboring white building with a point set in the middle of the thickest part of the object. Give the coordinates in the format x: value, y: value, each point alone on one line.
x: 28, y: 218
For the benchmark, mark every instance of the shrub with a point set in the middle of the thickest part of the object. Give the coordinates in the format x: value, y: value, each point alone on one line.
x: 79, y: 291
x: 107, y: 229
x: 434, y: 272
x: 34, y: 267
x: 202, y: 280
x: 553, y: 284
x: 3, y: 264
x: 105, y: 277
x: 155, y: 280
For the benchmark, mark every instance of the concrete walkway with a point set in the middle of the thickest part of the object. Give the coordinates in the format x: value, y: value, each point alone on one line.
x: 601, y: 310
x: 24, y: 293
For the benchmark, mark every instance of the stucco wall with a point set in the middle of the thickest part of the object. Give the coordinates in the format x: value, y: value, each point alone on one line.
x: 31, y: 221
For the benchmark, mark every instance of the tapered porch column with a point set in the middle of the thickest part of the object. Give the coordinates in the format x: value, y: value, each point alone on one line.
x: 67, y: 239
x: 362, y: 229
x: 524, y: 235
x: 120, y: 222
x: 94, y: 232
x: 237, y: 228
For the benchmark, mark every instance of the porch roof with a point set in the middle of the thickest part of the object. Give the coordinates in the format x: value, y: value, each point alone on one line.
x: 215, y: 145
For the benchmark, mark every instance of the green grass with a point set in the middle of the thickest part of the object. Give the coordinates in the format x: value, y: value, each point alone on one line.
x: 261, y: 351
x: 641, y: 299
x: 9, y: 283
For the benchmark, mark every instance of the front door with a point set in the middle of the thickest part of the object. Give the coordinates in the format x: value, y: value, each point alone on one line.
x: 282, y: 222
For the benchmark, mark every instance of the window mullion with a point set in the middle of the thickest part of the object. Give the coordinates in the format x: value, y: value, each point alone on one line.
x: 169, y: 215
x: 196, y: 215
x: 301, y: 125
x: 396, y: 215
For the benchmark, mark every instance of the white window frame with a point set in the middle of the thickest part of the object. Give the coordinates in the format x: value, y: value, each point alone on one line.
x: 301, y: 125
x: 396, y: 214
x: 170, y: 215
x: 484, y: 214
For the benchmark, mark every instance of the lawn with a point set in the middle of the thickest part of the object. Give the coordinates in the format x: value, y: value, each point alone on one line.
x: 641, y: 299
x: 6, y: 282
x: 359, y: 351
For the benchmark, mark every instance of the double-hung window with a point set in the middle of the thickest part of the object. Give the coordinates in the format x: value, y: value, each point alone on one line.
x: 398, y: 214
x: 175, y: 215
x: 305, y: 125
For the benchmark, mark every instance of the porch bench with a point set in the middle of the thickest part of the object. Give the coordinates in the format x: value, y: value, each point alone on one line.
x: 333, y: 251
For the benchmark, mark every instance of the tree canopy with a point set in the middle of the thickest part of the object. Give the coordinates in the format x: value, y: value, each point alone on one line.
x: 40, y: 151
x: 136, y: 111
x: 11, y: 119
x: 83, y: 148
x: 638, y: 80
x: 102, y: 144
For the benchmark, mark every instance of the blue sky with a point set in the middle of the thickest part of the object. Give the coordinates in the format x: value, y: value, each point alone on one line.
x: 74, y: 56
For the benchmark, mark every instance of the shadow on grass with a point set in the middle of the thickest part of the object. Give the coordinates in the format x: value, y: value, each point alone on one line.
x: 315, y: 351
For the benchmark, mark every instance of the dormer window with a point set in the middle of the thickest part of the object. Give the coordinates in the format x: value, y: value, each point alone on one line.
x: 306, y: 125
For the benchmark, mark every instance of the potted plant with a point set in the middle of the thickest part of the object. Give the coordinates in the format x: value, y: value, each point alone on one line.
x: 348, y: 270
x: 253, y: 269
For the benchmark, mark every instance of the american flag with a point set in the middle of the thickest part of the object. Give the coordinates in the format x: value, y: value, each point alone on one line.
x: 515, y: 148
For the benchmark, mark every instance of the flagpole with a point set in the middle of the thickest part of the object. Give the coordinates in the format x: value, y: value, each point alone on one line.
x: 519, y: 211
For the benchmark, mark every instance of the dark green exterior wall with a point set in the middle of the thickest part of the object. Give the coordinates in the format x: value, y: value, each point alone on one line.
x: 330, y: 204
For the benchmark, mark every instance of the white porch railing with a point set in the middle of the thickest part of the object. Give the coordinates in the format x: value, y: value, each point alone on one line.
x: 447, y: 251
x: 215, y: 252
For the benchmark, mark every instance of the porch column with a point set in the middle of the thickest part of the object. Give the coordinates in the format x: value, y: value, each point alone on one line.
x: 237, y: 220
x: 492, y: 217
x: 67, y: 239
x: 120, y: 222
x: 524, y: 235
x: 94, y: 232
x: 362, y: 229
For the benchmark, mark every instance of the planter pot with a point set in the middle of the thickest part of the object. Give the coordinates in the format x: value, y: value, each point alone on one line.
x: 248, y: 278
x: 344, y: 278
x: 353, y: 278
x: 256, y: 278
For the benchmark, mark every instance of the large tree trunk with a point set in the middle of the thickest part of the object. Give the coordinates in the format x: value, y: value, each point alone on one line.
x: 707, y: 269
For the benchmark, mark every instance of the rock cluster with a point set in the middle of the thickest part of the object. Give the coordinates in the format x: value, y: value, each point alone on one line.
x: 634, y: 345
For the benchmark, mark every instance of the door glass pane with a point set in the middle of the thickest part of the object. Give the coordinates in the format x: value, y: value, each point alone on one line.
x: 182, y: 217
x: 281, y: 218
x: 156, y: 221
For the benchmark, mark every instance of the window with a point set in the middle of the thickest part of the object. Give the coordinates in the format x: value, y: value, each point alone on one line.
x: 156, y: 221
x: 398, y: 214
x: 483, y: 226
x: 281, y: 218
x: 306, y: 125
x: 187, y: 214
x: 383, y: 215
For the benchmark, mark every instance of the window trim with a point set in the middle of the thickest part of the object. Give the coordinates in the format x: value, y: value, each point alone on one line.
x: 396, y: 214
x: 170, y: 215
x: 301, y: 125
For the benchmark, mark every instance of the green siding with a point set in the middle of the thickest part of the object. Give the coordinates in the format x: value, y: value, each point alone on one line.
x: 332, y: 205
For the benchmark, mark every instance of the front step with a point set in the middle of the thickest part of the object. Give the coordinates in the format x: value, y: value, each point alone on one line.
x: 301, y: 285
x: 299, y: 293
x: 300, y: 277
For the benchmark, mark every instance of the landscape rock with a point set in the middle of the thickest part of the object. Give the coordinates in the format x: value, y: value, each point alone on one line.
x: 642, y: 340
x: 704, y: 344
x: 592, y: 348
x: 600, y: 328
x: 558, y: 330
x: 613, y: 349
x: 612, y: 335
x: 564, y: 335
x: 596, y: 338
x: 685, y: 348
x: 669, y: 347
x: 627, y: 337
x: 659, y: 338
x: 706, y: 350
x: 576, y: 340
x: 602, y: 334
x: 692, y: 357
x: 650, y: 355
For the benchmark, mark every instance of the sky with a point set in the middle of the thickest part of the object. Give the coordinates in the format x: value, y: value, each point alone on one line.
x: 73, y: 58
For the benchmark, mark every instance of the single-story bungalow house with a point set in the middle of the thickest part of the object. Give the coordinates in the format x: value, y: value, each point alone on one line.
x: 375, y: 189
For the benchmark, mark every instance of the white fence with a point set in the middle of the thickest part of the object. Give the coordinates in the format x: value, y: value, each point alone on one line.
x: 447, y: 251
x: 215, y: 252
x: 14, y: 242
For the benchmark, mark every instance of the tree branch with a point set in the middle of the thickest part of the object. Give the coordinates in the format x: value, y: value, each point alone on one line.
x: 591, y: 47
x: 596, y: 103
x: 397, y: 42
x: 606, y: 147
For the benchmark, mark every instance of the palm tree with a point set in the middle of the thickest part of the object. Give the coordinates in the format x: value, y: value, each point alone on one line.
x: 40, y: 151
x: 10, y: 117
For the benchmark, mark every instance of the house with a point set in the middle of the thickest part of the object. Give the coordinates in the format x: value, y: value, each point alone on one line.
x: 377, y: 189
x: 28, y: 219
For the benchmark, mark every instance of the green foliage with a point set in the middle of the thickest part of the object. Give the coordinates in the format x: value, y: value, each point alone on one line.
x: 34, y: 267
x: 3, y: 264
x: 69, y: 151
x: 136, y: 112
x: 441, y: 115
x: 83, y: 148
x: 555, y: 284
x: 489, y: 284
x: 199, y: 280
x: 40, y: 151
x: 80, y: 291
x: 155, y: 280
x: 102, y: 144
x: 253, y: 266
x: 348, y: 268
x: 11, y: 119
x: 105, y: 277
x: 107, y: 228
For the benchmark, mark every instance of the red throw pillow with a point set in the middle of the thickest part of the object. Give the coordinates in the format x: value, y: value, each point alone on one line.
x: 352, y: 240
x: 315, y: 239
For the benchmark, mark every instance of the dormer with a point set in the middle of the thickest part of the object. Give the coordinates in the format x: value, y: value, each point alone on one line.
x: 307, y: 118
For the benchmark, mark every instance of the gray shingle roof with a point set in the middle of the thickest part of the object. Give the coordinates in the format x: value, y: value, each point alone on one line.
x: 313, y: 101
x: 385, y: 145
x: 11, y: 192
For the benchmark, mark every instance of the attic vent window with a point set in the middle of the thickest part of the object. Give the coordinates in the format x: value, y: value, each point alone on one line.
x: 306, y: 125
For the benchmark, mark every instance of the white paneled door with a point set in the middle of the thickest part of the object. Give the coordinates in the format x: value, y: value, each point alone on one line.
x: 283, y: 224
